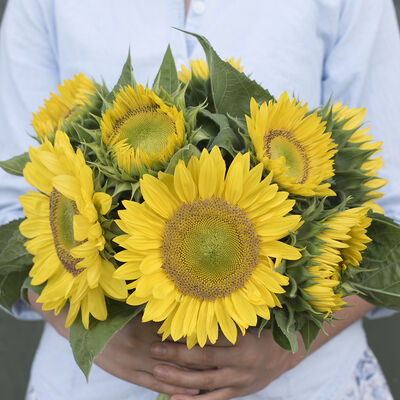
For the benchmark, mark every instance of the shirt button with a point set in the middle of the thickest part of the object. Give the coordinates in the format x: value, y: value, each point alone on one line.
x: 198, y: 7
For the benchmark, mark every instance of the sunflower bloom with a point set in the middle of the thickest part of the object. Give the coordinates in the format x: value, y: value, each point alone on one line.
x: 200, y: 248
x: 355, y: 117
x: 73, y: 94
x: 65, y: 235
x: 141, y: 129
x: 199, y: 69
x: 293, y: 146
x: 343, y: 240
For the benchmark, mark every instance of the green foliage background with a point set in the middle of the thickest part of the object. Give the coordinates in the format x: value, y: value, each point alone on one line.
x: 18, y: 341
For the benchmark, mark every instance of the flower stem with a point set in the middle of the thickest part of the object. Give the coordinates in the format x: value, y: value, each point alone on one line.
x: 163, y: 396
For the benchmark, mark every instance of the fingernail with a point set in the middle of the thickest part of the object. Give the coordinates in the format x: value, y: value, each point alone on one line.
x: 160, y: 372
x: 158, y: 350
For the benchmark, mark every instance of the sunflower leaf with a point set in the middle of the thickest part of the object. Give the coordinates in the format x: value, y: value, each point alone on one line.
x: 13, y: 255
x: 87, y: 344
x: 309, y: 332
x: 381, y: 287
x: 231, y: 89
x: 15, y: 165
x: 10, y: 287
x: 126, y: 79
x: 285, y: 322
x: 167, y: 76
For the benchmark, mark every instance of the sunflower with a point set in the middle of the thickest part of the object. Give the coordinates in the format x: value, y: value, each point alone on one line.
x: 199, y: 69
x: 141, y: 129
x: 73, y: 94
x: 65, y: 235
x: 199, y: 249
x: 354, y: 118
x: 295, y: 147
x: 343, y: 239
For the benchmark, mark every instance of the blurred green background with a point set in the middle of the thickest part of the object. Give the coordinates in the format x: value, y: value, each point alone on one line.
x: 18, y: 341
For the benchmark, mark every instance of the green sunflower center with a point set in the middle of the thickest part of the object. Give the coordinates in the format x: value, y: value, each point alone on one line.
x: 280, y: 142
x: 210, y: 248
x: 62, y: 211
x: 146, y: 128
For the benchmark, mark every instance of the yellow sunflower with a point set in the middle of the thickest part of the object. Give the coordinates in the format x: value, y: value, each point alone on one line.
x: 199, y: 248
x: 343, y: 240
x: 355, y: 118
x: 65, y: 235
x: 73, y: 94
x: 141, y: 129
x: 295, y: 147
x: 199, y: 69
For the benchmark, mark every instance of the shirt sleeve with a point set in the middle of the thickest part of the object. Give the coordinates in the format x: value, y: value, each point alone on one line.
x: 28, y: 72
x: 362, y: 69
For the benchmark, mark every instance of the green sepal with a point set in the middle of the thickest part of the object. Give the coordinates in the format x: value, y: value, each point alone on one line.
x: 126, y: 79
x: 167, y: 76
x: 185, y: 154
x: 231, y: 90
x: 87, y: 344
x: 15, y: 165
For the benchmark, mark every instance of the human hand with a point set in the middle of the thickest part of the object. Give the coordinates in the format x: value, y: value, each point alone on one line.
x: 128, y: 356
x: 245, y: 368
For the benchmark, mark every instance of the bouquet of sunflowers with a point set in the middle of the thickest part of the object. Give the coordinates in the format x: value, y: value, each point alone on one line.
x: 202, y: 203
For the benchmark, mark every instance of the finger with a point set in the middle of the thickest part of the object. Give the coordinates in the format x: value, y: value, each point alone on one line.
x: 210, y: 379
x: 209, y: 356
x: 220, y: 394
x: 149, y: 381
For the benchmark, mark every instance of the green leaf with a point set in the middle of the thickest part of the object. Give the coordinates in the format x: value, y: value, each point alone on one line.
x: 13, y: 254
x: 87, y: 344
x: 185, y: 154
x: 225, y: 137
x: 10, y: 287
x: 231, y: 90
x: 279, y: 337
x: 309, y: 331
x: 167, y: 76
x: 15, y: 165
x: 287, y: 327
x: 125, y: 79
x: 381, y: 286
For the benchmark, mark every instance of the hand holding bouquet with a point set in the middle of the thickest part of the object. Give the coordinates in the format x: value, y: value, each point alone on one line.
x: 203, y: 203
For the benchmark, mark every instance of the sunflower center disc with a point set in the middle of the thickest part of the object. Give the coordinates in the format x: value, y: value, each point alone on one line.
x: 62, y: 211
x: 210, y: 248
x: 147, y: 129
x: 280, y: 142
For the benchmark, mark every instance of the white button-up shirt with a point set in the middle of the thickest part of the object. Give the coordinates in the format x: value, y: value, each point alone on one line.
x: 348, y: 49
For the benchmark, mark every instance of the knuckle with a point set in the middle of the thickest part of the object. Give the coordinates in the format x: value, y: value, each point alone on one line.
x: 250, y: 358
x: 207, y: 357
x: 209, y: 382
x: 247, y: 379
